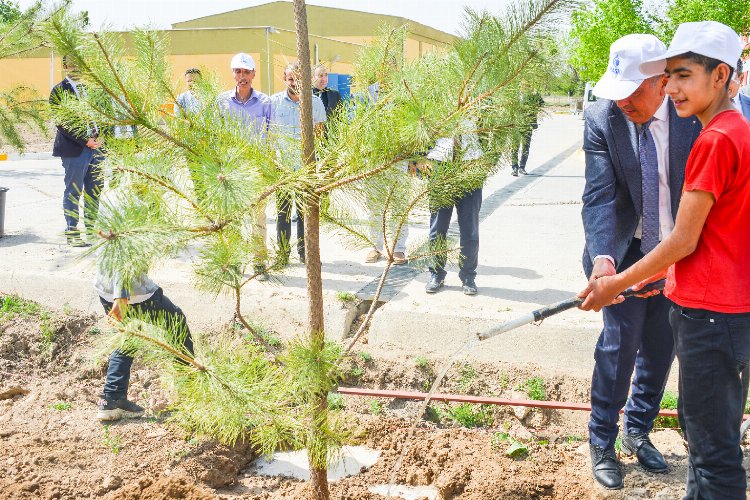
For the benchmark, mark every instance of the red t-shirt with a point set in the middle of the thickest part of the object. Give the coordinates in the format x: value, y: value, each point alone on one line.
x: 716, y: 276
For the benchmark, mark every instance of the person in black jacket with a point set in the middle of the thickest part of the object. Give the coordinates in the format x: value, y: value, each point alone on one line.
x: 331, y: 98
x: 80, y: 157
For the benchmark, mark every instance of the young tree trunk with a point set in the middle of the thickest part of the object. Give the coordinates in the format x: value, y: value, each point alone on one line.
x: 318, y: 473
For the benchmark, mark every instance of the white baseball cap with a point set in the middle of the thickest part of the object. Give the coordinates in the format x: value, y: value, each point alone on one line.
x: 243, y: 61
x: 623, y: 74
x: 706, y: 38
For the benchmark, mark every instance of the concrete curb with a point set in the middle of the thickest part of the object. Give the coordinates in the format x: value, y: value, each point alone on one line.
x: 47, y: 155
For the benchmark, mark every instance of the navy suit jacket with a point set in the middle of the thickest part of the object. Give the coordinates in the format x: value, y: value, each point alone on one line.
x: 67, y: 143
x: 745, y: 105
x: 612, y: 203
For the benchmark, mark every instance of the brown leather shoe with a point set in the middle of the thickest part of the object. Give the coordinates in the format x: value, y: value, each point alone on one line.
x: 399, y: 258
x: 373, y: 256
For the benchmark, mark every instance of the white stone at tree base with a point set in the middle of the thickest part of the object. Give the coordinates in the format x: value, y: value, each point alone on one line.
x: 293, y: 464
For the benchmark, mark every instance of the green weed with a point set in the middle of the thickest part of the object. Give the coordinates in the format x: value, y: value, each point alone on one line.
x: 573, y: 439
x: 61, y: 406
x: 356, y: 371
x: 67, y: 309
x: 516, y: 449
x: 111, y: 441
x: 668, y: 402
x: 346, y: 297
x: 375, y: 407
x: 421, y: 362
x: 13, y: 305
x: 504, y: 381
x: 94, y: 330
x: 468, y: 374
x: 433, y: 414
x: 335, y: 401
x: 365, y: 356
x: 469, y: 415
x: 534, y: 388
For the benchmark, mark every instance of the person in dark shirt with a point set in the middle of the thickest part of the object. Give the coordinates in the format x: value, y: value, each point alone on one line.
x: 331, y: 98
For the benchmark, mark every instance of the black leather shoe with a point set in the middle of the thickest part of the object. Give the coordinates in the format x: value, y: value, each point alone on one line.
x: 648, y: 456
x: 469, y: 287
x: 605, y: 467
x: 434, y: 285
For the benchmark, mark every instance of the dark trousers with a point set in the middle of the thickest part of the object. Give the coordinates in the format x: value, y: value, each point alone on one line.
x: 636, y: 336
x: 157, y: 306
x: 713, y: 349
x: 467, y: 210
x: 524, y: 145
x: 82, y: 178
x: 284, y: 227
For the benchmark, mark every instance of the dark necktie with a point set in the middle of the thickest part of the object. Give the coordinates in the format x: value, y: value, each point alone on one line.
x: 649, y: 188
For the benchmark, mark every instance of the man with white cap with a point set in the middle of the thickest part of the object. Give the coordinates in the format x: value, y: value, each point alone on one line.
x: 636, y: 148
x: 253, y: 108
x: 705, y: 260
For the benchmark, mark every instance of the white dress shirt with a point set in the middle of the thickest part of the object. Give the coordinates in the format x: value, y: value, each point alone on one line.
x: 660, y: 132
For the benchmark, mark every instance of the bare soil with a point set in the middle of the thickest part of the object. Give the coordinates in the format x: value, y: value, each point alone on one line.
x: 51, y: 445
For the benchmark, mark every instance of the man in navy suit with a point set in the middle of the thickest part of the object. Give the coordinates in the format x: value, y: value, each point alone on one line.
x: 636, y: 148
x: 80, y: 157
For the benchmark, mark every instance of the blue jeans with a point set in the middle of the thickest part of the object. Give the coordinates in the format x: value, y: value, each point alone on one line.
x: 467, y: 210
x: 636, y: 337
x: 82, y: 177
x: 713, y: 348
x: 118, y: 371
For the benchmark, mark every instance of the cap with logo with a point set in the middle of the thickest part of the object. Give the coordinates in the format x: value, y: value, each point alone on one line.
x: 623, y: 75
x: 243, y: 61
x: 706, y: 38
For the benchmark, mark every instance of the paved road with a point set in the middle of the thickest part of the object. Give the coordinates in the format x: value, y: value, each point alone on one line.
x: 531, y: 243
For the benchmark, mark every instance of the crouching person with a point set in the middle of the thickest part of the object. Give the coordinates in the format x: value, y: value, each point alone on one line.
x: 147, y: 300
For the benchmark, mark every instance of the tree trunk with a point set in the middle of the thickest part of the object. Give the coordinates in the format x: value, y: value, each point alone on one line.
x: 318, y: 474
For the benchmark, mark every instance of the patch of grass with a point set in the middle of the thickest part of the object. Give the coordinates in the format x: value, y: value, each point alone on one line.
x: 504, y: 381
x: 365, y: 356
x: 668, y: 402
x: 433, y: 414
x: 335, y: 401
x: 573, y: 439
x: 268, y: 335
x: 67, y: 309
x: 47, y: 329
x: 346, y: 297
x: 356, y: 371
x: 61, y: 406
x: 467, y: 375
x: 618, y: 444
x: 111, y: 441
x: 469, y: 415
x: 94, y: 330
x: 534, y: 389
x: 426, y: 385
x: 375, y: 407
x: 13, y: 305
x: 421, y: 362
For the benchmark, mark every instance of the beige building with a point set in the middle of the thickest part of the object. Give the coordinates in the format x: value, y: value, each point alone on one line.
x: 266, y: 32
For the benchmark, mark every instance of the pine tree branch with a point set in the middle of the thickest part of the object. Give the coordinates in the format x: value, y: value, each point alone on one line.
x: 115, y: 73
x: 359, y: 177
x: 162, y: 345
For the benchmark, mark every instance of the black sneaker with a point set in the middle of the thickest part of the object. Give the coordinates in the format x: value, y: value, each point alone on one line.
x: 522, y: 171
x: 469, y: 287
x: 434, y: 285
x: 514, y: 173
x: 117, y: 409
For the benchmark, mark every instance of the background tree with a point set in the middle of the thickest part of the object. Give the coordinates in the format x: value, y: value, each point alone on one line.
x: 205, y: 174
x: 601, y: 22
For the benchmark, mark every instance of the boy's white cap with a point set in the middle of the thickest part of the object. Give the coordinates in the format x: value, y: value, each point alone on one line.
x: 623, y: 74
x: 707, y: 38
x: 243, y: 61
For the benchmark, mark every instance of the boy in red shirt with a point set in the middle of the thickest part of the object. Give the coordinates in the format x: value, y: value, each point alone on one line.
x: 708, y: 252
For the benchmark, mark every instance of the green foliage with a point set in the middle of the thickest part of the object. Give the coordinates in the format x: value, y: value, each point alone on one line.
x: 421, y: 362
x: 376, y: 408
x: 365, y: 356
x: 467, y: 375
x: 13, y: 305
x: 534, y: 388
x: 9, y: 11
x: 111, y: 440
x: 513, y: 448
x: 346, y: 297
x: 61, y: 406
x: 356, y: 371
x: 668, y: 402
x: 433, y: 414
x: 596, y: 26
x: 573, y: 439
x: 733, y: 13
x: 335, y: 401
x: 469, y: 415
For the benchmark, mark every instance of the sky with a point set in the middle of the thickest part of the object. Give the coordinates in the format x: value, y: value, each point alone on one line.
x: 445, y: 15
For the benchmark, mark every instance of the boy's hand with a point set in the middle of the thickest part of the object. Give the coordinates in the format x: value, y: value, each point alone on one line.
x: 119, y: 307
x: 600, y: 293
x: 656, y: 277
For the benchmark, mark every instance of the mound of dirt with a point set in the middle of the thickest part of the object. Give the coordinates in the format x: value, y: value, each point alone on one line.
x: 164, y: 488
